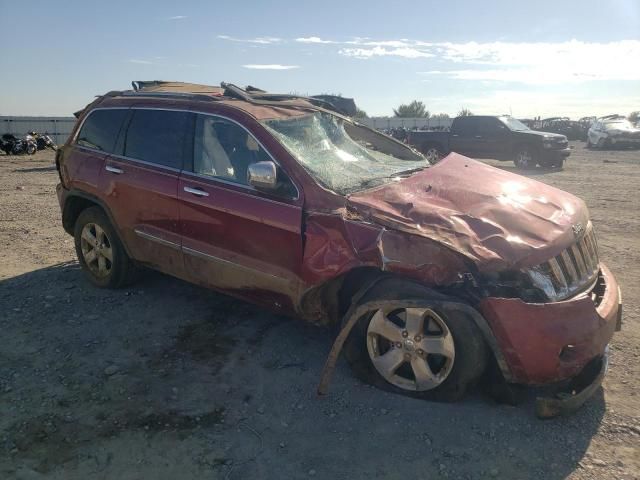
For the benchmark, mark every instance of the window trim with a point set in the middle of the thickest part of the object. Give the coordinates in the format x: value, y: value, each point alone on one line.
x: 238, y: 184
x: 121, y: 141
x: 192, y: 133
x: 74, y: 139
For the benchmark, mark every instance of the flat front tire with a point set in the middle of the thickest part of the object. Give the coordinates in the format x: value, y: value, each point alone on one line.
x: 421, y: 352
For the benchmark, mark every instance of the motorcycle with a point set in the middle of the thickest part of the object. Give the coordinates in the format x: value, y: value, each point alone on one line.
x: 44, y: 141
x: 13, y: 145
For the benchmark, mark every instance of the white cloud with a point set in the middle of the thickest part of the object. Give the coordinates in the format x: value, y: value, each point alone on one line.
x: 542, y: 63
x: 314, y: 40
x: 257, y: 40
x: 271, y: 66
x: 140, y: 62
x: 177, y: 17
x: 378, y: 51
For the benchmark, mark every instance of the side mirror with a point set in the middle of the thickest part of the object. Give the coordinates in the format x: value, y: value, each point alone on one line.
x: 262, y: 175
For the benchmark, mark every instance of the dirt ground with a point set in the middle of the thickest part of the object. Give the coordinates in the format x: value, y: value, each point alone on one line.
x: 170, y: 381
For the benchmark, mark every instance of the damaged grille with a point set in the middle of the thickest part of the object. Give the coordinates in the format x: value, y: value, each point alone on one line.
x: 575, y: 269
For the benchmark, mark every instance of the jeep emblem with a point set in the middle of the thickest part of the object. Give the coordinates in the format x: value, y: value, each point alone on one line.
x: 578, y: 230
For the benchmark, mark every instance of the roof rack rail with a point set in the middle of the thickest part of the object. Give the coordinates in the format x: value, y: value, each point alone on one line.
x: 177, y: 95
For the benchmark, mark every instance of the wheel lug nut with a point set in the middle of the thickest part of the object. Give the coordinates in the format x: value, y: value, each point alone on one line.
x: 420, y: 352
x: 407, y: 356
x: 398, y: 345
x: 417, y: 338
x: 405, y: 334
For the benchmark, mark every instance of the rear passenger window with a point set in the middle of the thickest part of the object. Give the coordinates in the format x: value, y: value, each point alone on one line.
x: 100, y: 130
x: 157, y: 136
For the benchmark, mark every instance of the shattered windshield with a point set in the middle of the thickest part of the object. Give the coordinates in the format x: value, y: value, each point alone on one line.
x: 342, y: 156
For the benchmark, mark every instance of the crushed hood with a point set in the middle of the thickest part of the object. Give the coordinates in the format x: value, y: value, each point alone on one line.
x: 497, y: 219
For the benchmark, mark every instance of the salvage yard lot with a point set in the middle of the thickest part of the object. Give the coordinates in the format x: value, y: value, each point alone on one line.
x: 168, y: 380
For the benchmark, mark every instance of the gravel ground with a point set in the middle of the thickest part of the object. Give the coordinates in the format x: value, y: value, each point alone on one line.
x: 168, y: 380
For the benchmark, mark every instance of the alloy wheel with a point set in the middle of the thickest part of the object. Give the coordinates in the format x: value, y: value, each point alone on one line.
x: 411, y: 348
x: 433, y: 155
x: 524, y: 159
x: 96, y: 250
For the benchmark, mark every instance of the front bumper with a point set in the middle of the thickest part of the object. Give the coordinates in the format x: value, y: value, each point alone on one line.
x: 555, y: 154
x: 546, y: 343
x: 579, y: 390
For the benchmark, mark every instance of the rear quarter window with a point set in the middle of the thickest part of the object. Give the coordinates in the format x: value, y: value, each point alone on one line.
x: 157, y: 136
x: 101, y: 128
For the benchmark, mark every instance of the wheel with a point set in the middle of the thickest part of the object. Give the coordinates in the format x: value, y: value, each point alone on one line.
x: 100, y: 251
x: 433, y: 154
x: 552, y: 164
x: 420, y: 352
x: 525, y: 158
x: 31, y: 149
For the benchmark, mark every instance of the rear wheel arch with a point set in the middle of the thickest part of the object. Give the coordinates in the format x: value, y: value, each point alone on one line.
x: 75, y: 203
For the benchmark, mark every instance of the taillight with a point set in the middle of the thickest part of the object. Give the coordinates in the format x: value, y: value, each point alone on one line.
x: 59, y: 157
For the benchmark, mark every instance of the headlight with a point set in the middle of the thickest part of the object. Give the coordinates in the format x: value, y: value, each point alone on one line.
x: 542, y: 280
x: 547, y: 142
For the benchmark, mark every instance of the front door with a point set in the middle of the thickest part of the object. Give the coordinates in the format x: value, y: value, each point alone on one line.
x: 235, y: 238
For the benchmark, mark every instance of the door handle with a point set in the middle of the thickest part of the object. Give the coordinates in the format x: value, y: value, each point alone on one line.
x: 196, y: 191
x: 115, y: 170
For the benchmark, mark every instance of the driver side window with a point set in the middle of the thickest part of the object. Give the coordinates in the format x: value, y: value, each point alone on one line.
x: 225, y: 150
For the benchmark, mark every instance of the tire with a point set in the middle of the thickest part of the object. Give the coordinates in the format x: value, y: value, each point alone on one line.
x: 432, y: 153
x: 556, y: 164
x: 525, y: 157
x: 31, y: 149
x: 446, y: 377
x: 109, y: 266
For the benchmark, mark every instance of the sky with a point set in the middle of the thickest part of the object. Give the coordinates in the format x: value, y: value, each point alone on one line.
x: 526, y: 58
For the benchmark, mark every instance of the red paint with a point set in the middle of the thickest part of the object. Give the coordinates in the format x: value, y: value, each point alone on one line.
x: 456, y: 217
x: 531, y: 336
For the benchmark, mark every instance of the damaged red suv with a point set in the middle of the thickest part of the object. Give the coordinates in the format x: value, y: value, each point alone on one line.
x: 436, y: 274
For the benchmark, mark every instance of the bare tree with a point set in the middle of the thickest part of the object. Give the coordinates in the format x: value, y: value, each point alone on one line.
x: 465, y: 112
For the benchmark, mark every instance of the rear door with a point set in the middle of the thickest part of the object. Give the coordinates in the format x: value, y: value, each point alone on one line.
x: 140, y: 184
x: 83, y: 161
x: 234, y: 237
x: 463, y: 136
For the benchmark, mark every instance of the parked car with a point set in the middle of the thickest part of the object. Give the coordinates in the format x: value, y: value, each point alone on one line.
x: 573, y: 130
x: 613, y: 131
x: 436, y: 274
x: 499, y: 137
